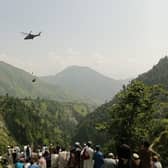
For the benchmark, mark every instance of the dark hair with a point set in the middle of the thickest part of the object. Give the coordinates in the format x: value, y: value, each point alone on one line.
x: 97, y: 147
x: 155, y: 158
x: 146, y: 144
x: 89, y: 143
x: 124, y: 151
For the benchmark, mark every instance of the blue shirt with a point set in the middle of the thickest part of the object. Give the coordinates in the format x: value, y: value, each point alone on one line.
x: 98, y: 159
x: 19, y: 164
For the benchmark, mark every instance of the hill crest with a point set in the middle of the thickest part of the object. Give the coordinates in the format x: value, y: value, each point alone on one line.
x: 18, y: 83
x: 157, y: 75
x: 86, y: 82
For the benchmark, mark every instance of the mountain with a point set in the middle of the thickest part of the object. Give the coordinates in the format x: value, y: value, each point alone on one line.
x: 97, y: 126
x: 157, y: 75
x: 86, y: 82
x: 137, y: 112
x: 18, y: 83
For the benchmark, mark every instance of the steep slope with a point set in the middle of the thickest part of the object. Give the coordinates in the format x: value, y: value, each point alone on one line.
x: 38, y: 121
x: 5, y: 135
x: 157, y: 75
x: 87, y: 83
x: 137, y: 112
x: 18, y: 83
x: 92, y: 126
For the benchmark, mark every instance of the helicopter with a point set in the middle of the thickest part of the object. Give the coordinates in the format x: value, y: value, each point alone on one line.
x: 30, y: 35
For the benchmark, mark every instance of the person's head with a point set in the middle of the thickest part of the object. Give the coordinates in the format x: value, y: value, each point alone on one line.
x: 145, y: 145
x: 34, y: 159
x: 110, y: 155
x: 135, y: 156
x: 77, y: 144
x: 63, y: 149
x: 40, y: 155
x: 21, y: 159
x: 89, y: 143
x: 155, y: 158
x: 124, y: 151
x: 97, y: 147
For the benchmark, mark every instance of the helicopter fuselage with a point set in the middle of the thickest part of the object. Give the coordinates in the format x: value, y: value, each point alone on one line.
x: 31, y: 36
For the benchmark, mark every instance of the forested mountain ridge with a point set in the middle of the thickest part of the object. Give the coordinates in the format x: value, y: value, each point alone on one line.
x: 157, y: 75
x: 86, y: 82
x: 136, y: 113
x: 17, y: 82
x: 139, y: 111
x: 39, y: 121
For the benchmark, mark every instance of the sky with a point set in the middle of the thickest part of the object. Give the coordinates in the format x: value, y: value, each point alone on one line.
x: 118, y: 38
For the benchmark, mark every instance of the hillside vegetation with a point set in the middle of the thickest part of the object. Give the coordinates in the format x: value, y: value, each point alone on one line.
x: 39, y: 121
x: 6, y: 137
x: 18, y: 83
x: 157, y: 75
x: 137, y: 112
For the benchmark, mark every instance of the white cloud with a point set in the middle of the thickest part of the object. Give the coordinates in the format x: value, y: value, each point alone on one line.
x: 72, y: 52
x: 11, y: 60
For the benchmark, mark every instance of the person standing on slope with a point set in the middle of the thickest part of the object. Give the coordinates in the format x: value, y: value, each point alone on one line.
x: 110, y: 161
x: 98, y: 158
x: 145, y: 155
x: 87, y: 155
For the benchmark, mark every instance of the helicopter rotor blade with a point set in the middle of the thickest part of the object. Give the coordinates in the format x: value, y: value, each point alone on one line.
x: 24, y: 33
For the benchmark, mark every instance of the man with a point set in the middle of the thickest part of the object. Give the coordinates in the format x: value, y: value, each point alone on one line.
x: 98, y: 158
x: 156, y: 162
x: 87, y: 155
x: 145, y: 155
x: 28, y: 152
x: 34, y: 162
x: 110, y: 162
x: 63, y: 158
x: 77, y: 152
x: 135, y: 160
x: 124, y: 156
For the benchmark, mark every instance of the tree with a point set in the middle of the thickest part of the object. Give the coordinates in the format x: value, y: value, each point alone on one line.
x: 132, y: 114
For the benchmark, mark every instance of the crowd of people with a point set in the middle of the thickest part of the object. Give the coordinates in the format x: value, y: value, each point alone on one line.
x: 82, y: 157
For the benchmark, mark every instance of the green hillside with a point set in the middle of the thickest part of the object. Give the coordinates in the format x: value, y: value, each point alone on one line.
x: 18, y: 83
x: 39, y: 121
x: 139, y: 111
x: 157, y: 75
x: 5, y: 136
x: 86, y: 83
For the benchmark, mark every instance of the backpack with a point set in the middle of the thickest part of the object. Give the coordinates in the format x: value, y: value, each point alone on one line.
x: 85, y: 155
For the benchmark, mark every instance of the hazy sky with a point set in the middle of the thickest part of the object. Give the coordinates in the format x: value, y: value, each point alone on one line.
x: 119, y: 38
